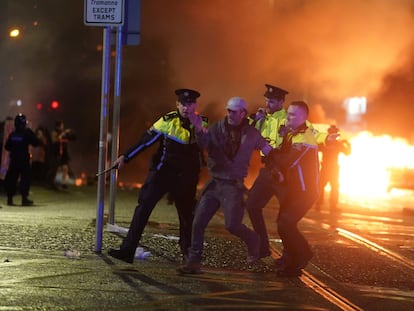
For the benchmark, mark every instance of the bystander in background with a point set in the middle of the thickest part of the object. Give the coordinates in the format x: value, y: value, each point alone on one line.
x: 60, y: 164
x: 329, y: 172
x: 17, y: 145
x: 39, y: 156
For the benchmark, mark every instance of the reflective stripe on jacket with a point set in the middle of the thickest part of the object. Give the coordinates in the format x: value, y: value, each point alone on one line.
x: 298, y: 161
x: 177, y: 150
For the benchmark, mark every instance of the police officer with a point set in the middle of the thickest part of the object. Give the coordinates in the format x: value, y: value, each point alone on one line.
x: 296, y: 165
x: 268, y: 121
x: 271, y: 123
x: 174, y: 169
x: 19, y: 166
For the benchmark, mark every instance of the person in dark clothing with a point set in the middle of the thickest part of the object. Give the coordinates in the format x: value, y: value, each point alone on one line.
x: 19, y: 166
x: 295, y: 165
x: 329, y: 172
x: 270, y: 121
x: 174, y: 170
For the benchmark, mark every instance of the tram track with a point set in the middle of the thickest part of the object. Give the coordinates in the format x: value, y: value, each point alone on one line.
x: 328, y: 293
x: 325, y: 290
x: 327, y: 287
x: 318, y: 286
x: 371, y: 245
x: 376, y: 248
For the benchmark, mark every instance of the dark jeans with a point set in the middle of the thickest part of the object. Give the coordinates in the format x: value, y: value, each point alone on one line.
x: 228, y: 195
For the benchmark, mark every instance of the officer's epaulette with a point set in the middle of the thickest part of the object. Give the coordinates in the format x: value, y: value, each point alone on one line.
x: 170, y: 115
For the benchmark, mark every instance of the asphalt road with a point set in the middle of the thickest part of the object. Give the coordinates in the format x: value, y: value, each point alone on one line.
x: 37, y: 273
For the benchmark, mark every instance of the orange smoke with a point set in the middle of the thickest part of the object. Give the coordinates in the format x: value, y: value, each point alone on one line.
x: 324, y: 50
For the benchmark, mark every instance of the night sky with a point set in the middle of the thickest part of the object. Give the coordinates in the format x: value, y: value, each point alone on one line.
x: 322, y: 51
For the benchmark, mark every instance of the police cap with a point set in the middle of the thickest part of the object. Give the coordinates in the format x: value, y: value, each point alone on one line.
x: 187, y: 96
x: 274, y: 92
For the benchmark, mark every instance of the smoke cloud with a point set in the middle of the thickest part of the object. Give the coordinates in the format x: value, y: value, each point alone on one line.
x: 321, y: 51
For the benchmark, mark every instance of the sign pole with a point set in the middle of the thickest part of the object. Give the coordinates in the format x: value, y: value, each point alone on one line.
x: 103, y: 133
x: 115, y: 125
x: 110, y: 14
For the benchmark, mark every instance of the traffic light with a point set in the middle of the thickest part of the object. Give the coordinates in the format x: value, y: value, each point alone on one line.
x: 54, y: 105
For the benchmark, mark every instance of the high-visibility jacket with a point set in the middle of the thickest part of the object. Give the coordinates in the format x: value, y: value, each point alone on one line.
x: 272, y: 127
x: 269, y: 127
x: 297, y: 159
x: 178, y: 149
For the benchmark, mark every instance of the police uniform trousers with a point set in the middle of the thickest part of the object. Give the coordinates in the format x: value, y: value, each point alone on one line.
x: 229, y: 194
x: 292, y: 209
x: 182, y: 187
x: 264, y: 188
x: 16, y: 170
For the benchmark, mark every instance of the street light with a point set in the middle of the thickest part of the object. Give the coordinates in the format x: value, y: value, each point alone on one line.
x: 14, y: 33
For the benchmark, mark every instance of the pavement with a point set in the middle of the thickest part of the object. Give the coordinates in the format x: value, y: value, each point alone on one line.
x: 48, y: 262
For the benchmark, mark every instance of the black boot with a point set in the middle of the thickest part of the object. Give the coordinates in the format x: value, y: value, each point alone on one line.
x: 10, y: 201
x: 26, y: 202
x: 124, y: 254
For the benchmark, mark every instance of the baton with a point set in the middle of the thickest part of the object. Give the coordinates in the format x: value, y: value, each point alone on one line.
x: 107, y: 170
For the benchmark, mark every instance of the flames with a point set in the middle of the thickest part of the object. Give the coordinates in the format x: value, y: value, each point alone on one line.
x: 366, y: 171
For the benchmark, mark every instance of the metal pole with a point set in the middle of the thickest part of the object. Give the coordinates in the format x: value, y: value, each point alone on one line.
x: 115, y: 125
x: 103, y: 133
